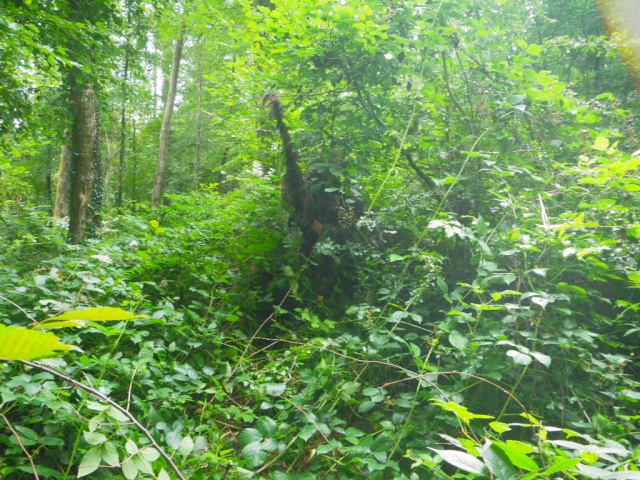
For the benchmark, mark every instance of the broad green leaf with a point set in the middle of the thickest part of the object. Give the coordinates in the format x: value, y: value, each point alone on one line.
x: 247, y: 436
x: 458, y: 341
x: 499, y: 427
x: 307, y: 432
x: 519, y: 358
x: 518, y: 458
x: 151, y: 454
x: 110, y: 454
x: 143, y: 465
x: 601, y: 144
x: 534, y: 50
x: 275, y: 389
x: 131, y: 447
x: 163, y: 475
x: 90, y: 462
x: 498, y: 463
x: 185, y: 448
x: 463, y: 461
x: 56, y: 325
x: 129, y: 468
x: 634, y: 277
x: 562, y: 464
x: 173, y: 439
x: 267, y: 426
x: 22, y: 344
x: 442, y: 285
x: 461, y: 412
x: 254, y: 455
x: 542, y: 358
x: 94, y: 438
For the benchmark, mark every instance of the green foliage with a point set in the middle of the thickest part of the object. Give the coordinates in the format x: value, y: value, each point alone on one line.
x: 509, y: 287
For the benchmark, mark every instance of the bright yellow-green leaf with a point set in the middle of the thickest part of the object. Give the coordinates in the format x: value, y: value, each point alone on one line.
x: 53, y: 325
x: 461, y: 412
x: 22, y: 344
x: 601, y: 144
x: 154, y: 223
x: 532, y: 419
x: 98, y: 314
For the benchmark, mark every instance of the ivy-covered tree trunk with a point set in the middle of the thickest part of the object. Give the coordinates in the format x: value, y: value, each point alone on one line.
x: 165, y: 130
x: 84, y: 153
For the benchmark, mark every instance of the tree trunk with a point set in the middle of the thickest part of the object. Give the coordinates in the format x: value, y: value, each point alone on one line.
x: 163, y: 154
x: 196, y: 161
x: 123, y: 127
x: 84, y: 148
x: 61, y: 208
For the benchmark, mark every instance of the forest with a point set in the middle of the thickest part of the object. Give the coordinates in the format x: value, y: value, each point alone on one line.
x: 319, y: 239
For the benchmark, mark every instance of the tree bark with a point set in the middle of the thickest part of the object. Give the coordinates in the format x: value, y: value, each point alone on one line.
x: 84, y: 149
x: 61, y: 208
x: 196, y: 161
x: 123, y: 128
x: 163, y: 153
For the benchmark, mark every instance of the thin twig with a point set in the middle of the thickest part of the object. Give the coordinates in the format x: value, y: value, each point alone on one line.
x: 19, y: 308
x: 106, y: 399
x: 26, y: 452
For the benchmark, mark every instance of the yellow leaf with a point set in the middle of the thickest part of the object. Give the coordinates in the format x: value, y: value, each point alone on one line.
x: 98, y: 314
x: 601, y: 144
x: 22, y: 344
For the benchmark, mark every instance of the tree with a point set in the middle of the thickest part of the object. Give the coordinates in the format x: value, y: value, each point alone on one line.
x: 165, y: 131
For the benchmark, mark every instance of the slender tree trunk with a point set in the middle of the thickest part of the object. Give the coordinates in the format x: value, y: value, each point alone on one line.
x: 63, y: 196
x: 163, y: 154
x: 134, y: 158
x: 84, y: 146
x: 123, y: 127
x: 196, y: 161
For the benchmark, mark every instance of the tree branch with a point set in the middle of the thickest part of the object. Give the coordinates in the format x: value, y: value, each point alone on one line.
x: 122, y: 410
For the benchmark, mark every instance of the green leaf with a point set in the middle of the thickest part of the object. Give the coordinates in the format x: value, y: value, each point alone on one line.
x: 601, y: 144
x: 98, y: 314
x: 462, y: 460
x: 442, y: 285
x: 519, y: 358
x: 94, y: 438
x: 395, y: 258
x: 163, y: 475
x: 458, y: 341
x: 143, y: 465
x: 561, y: 465
x: 151, y: 454
x: 90, y: 462
x: 518, y: 458
x: 275, y: 389
x: 185, y: 448
x: 267, y: 426
x: 499, y: 427
x: 22, y: 344
x: 247, y: 436
x: 307, y: 432
x: 173, y: 439
x: 498, y: 463
x: 534, y: 50
x: 542, y: 358
x: 129, y: 468
x: 461, y: 412
x: 110, y: 454
x: 131, y: 447
x: 254, y: 455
